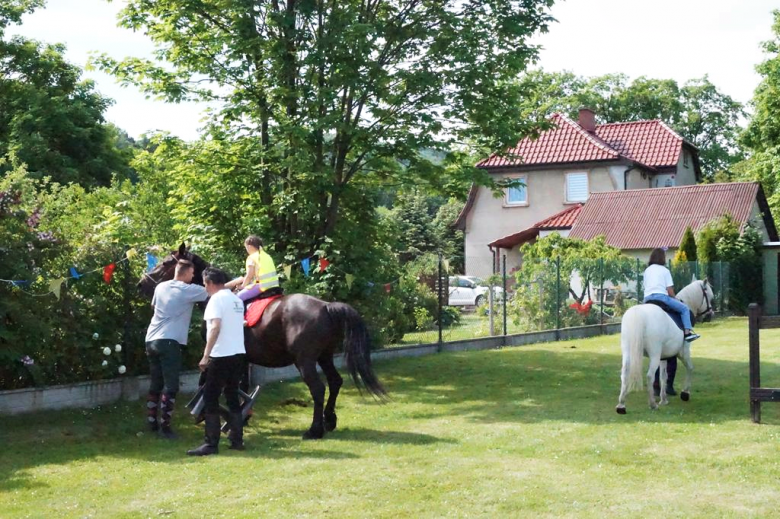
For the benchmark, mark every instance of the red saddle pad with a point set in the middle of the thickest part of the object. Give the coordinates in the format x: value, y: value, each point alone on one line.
x: 256, y: 309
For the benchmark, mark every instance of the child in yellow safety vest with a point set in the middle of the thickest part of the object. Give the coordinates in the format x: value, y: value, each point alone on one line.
x: 260, y: 274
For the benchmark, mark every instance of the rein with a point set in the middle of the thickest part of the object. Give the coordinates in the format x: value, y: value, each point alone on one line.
x: 706, y: 300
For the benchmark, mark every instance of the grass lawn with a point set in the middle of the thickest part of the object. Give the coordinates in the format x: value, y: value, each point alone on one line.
x: 521, y: 432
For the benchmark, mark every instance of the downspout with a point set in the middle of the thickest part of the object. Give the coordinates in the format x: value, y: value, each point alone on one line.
x: 625, y: 176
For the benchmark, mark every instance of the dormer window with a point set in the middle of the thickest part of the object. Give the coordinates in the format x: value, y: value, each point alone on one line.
x: 576, y: 187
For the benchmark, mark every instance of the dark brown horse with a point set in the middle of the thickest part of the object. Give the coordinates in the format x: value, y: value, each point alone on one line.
x: 301, y: 330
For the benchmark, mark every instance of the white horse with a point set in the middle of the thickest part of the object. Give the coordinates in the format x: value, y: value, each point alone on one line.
x: 647, y: 329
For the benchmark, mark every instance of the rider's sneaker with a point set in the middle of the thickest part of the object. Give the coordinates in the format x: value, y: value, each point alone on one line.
x: 692, y: 337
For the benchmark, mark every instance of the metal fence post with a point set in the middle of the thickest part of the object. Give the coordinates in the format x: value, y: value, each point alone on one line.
x: 638, y: 295
x: 503, y: 285
x: 441, y: 288
x: 601, y: 314
x: 720, y: 268
x: 126, y: 303
x: 557, y: 298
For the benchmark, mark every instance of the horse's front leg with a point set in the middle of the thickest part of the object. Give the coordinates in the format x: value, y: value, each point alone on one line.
x: 312, y: 379
x: 662, y: 383
x: 685, y: 394
x: 654, y: 364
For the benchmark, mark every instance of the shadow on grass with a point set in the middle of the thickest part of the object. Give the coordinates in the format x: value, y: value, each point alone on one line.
x: 370, y: 435
x: 531, y: 386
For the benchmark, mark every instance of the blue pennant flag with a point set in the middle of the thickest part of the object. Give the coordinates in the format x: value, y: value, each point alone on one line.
x: 20, y: 283
x: 151, y: 261
x: 74, y: 273
x: 305, y: 265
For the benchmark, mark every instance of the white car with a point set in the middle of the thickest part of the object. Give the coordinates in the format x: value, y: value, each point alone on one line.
x: 470, y: 291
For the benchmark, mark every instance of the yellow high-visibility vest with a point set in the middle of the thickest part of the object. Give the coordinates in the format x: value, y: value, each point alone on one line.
x: 265, y: 270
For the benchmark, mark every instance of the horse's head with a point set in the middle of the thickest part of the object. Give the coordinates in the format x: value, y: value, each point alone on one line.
x: 164, y: 270
x: 706, y: 310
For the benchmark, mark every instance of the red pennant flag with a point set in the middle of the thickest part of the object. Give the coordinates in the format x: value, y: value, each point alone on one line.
x: 388, y: 286
x: 108, y: 272
x: 323, y: 264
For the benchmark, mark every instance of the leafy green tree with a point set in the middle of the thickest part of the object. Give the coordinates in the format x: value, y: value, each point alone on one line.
x: 325, y: 99
x: 688, y: 245
x: 697, y: 110
x: 50, y: 118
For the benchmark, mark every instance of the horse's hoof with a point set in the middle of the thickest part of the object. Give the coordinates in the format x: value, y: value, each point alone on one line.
x: 654, y: 407
x: 313, y: 435
x: 685, y: 396
x: 663, y: 402
x: 620, y: 410
x: 330, y: 423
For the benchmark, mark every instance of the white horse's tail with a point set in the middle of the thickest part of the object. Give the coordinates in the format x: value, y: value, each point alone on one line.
x: 633, y: 333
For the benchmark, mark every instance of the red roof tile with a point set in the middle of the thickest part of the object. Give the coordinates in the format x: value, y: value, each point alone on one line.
x: 651, y: 143
x: 650, y: 218
x: 562, y: 220
x: 566, y: 142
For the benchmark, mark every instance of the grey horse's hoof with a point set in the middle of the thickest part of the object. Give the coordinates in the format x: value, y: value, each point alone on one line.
x: 685, y: 396
x: 620, y: 410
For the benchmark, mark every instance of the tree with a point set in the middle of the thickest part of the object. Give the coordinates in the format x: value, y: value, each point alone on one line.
x: 697, y: 110
x: 762, y: 135
x: 688, y: 244
x: 327, y: 98
x: 50, y: 119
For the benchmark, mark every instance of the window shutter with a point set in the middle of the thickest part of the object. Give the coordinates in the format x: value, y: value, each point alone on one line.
x: 576, y: 187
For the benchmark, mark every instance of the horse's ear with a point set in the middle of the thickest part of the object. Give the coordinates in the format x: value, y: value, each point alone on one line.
x: 182, y: 249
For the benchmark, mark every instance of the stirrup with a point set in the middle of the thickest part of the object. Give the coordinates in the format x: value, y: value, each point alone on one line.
x: 692, y: 337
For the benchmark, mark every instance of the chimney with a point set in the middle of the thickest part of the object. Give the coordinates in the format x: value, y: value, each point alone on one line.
x: 588, y: 120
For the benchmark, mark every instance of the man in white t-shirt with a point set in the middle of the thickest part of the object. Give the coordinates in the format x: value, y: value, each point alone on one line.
x: 166, y: 336
x: 225, y: 358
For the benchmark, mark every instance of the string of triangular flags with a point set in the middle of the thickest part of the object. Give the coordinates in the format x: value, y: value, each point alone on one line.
x: 324, y: 264
x: 55, y: 285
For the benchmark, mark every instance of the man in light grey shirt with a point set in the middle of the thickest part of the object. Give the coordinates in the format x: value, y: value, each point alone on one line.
x: 167, y: 333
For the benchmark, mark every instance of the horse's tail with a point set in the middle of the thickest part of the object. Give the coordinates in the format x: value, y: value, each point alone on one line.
x: 632, y: 335
x: 357, y: 348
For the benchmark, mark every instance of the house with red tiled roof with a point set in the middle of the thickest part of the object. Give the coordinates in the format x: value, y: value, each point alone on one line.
x: 558, y: 172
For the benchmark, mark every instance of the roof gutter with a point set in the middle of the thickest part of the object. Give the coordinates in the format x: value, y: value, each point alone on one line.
x: 625, y: 176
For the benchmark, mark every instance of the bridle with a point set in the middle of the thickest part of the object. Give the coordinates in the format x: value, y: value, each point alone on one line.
x: 706, y: 300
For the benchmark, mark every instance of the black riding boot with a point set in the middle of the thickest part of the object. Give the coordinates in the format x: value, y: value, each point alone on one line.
x: 152, y: 408
x: 211, y: 444
x: 168, y: 403
x: 236, y: 434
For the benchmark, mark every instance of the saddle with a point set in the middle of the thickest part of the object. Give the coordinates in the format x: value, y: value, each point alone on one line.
x: 671, y: 313
x: 256, y: 307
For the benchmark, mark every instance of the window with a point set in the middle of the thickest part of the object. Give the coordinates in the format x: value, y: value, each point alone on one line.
x: 517, y: 195
x: 685, y: 159
x: 576, y: 187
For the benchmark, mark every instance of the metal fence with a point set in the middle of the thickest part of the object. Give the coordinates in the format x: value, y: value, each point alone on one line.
x: 498, y: 299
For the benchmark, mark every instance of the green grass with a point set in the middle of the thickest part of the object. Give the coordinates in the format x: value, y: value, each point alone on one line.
x: 521, y: 432
x: 471, y: 326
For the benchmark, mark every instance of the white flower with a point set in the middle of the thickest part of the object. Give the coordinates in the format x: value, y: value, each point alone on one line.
x: 122, y: 370
x: 106, y: 351
x: 105, y: 363
x: 118, y: 348
x: 95, y: 336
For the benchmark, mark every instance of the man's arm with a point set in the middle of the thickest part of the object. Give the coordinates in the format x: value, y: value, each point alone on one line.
x: 211, y: 339
x: 670, y: 291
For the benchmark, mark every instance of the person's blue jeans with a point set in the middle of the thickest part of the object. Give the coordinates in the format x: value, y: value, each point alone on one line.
x: 674, y: 304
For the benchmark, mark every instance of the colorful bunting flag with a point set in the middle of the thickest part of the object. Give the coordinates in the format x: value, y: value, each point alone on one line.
x: 324, y: 264
x: 19, y: 283
x: 350, y: 279
x: 287, y: 271
x: 108, y: 272
x: 151, y: 261
x: 74, y: 273
x: 370, y: 284
x: 131, y: 253
x: 55, y: 285
x: 305, y: 266
x: 446, y: 263
x: 388, y: 287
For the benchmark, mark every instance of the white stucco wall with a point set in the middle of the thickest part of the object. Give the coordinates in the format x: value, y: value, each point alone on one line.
x: 686, y: 175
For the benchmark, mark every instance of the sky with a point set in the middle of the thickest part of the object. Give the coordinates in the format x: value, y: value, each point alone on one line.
x: 677, y: 39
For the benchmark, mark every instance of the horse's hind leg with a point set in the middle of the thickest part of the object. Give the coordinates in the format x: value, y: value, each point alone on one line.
x: 334, y: 385
x: 621, y: 407
x: 310, y: 376
x: 654, y: 364
x: 685, y: 394
x: 662, y: 383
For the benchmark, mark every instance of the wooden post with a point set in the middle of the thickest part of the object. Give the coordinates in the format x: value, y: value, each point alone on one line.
x: 754, y: 318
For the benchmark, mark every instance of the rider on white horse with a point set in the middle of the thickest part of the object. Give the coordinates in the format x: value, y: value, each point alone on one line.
x: 660, y: 287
